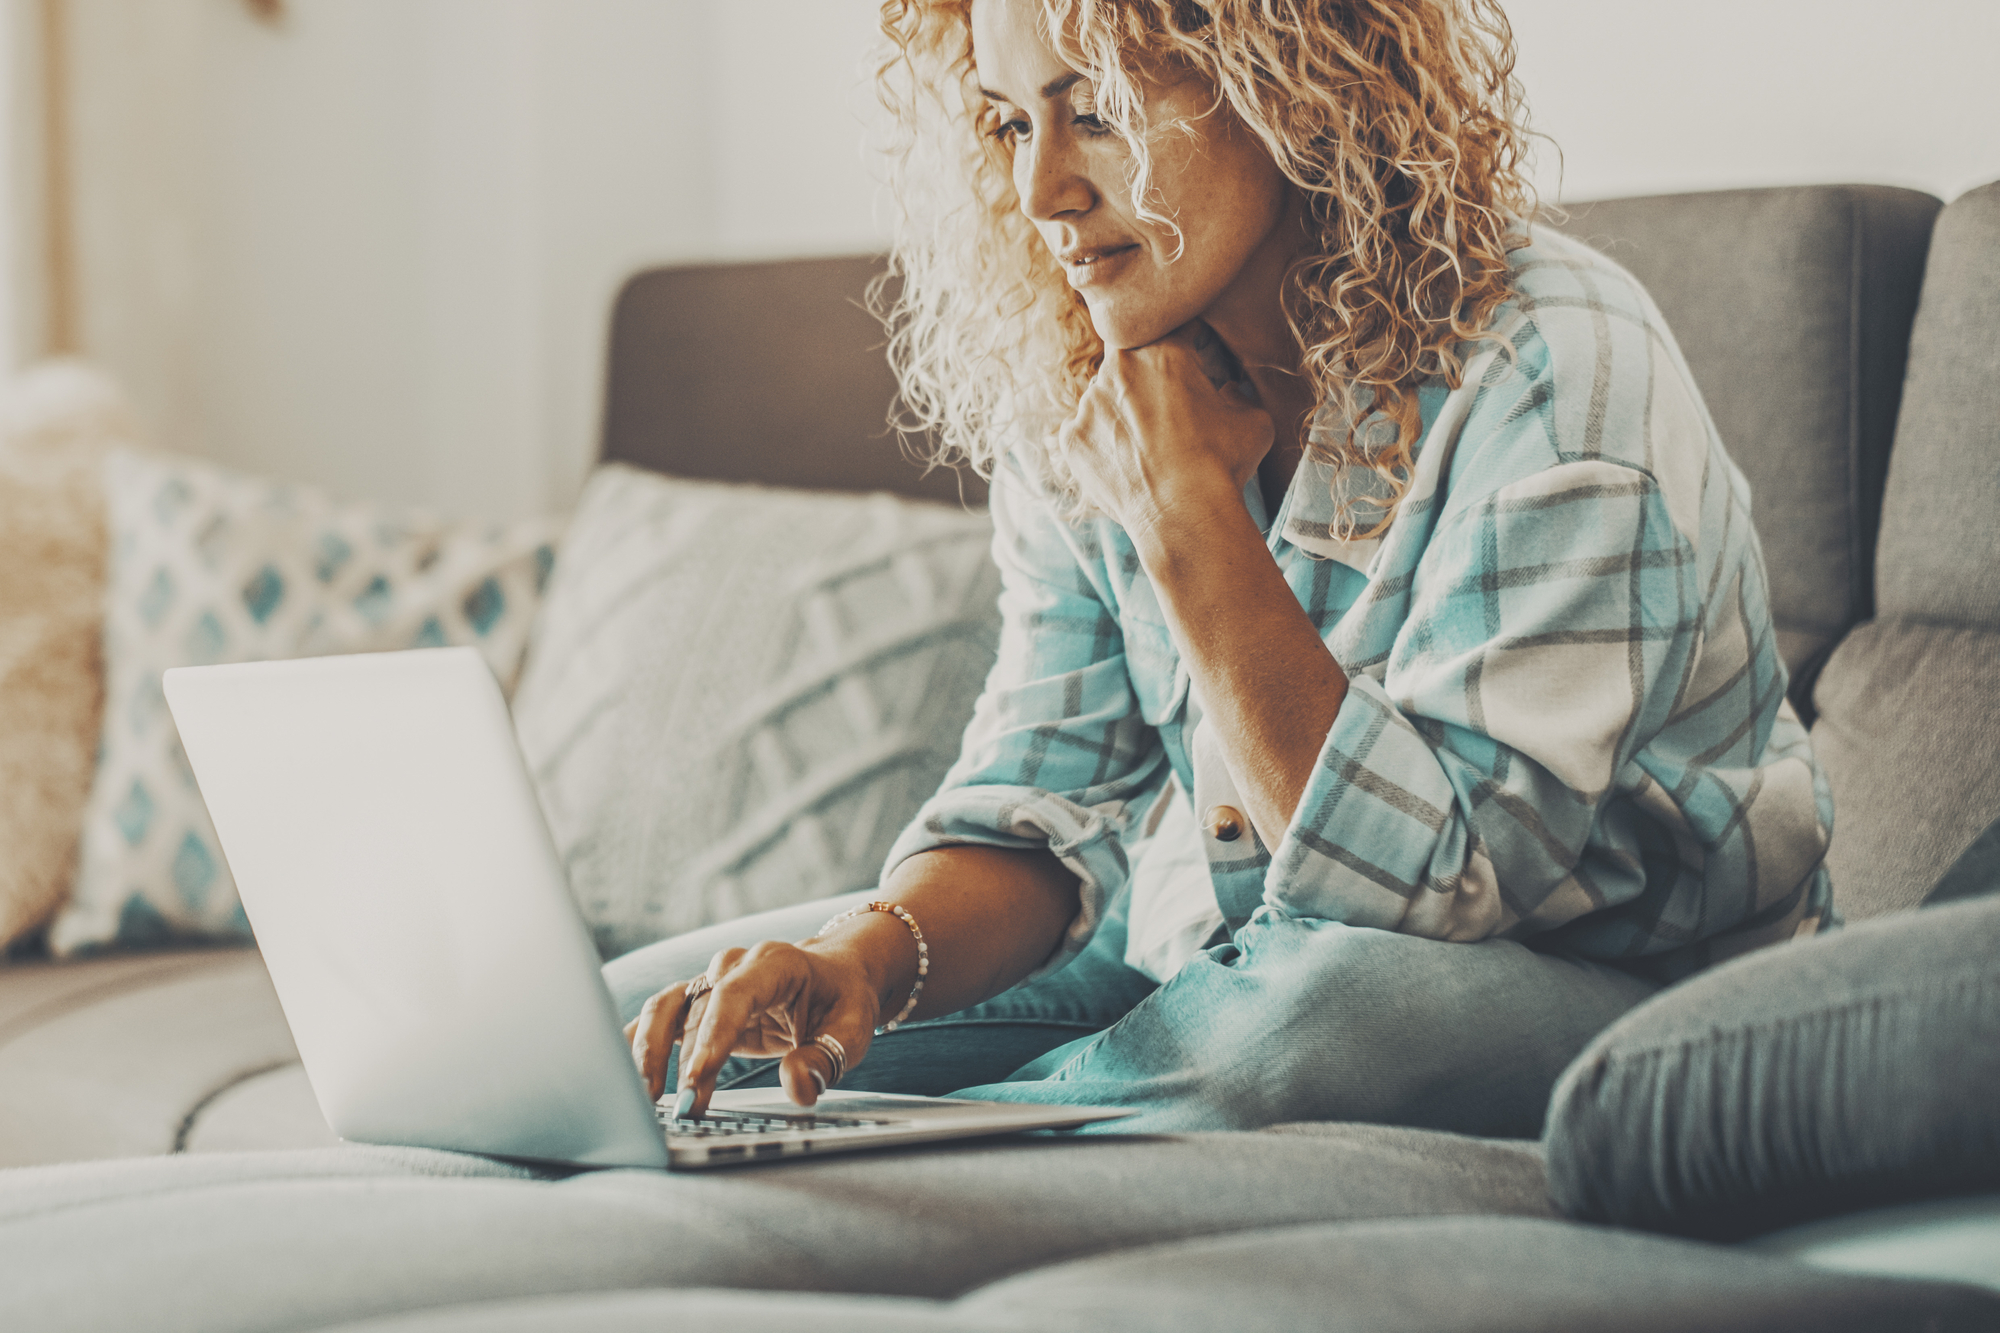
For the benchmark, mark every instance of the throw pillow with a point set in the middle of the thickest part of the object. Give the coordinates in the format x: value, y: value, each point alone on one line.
x: 737, y: 696
x: 1853, y: 1069
x: 210, y: 565
x: 56, y: 421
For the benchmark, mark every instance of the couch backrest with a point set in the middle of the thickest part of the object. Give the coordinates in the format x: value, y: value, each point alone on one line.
x: 1792, y: 305
x: 1793, y: 308
x: 767, y: 372
x: 1909, y: 727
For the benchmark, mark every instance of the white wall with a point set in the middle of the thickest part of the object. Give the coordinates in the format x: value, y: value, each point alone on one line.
x: 24, y: 236
x: 375, y: 247
x: 1657, y: 96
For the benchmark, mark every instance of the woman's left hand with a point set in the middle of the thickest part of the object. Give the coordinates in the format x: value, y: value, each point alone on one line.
x: 767, y: 1001
x: 1152, y: 435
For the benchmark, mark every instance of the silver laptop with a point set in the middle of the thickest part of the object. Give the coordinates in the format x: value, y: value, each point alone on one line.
x: 441, y: 987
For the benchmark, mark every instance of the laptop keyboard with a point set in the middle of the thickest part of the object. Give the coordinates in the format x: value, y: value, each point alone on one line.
x: 728, y: 1124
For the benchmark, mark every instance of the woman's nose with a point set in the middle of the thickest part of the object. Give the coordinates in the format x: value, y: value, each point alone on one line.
x: 1048, y: 178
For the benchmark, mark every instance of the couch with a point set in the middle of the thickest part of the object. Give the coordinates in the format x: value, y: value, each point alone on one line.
x: 176, y: 1174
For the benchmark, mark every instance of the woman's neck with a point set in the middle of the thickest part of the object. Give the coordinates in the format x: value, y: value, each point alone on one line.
x: 1288, y: 397
x: 1250, y: 319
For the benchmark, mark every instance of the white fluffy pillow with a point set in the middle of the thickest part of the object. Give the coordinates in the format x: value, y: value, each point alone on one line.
x: 736, y: 696
x: 209, y: 565
x: 56, y: 422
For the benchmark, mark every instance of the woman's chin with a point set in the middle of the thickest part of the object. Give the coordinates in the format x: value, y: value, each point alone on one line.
x: 1120, y: 331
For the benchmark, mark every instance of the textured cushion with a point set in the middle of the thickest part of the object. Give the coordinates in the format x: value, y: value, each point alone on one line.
x: 736, y: 696
x: 1909, y: 736
x: 58, y: 420
x: 1940, y: 551
x: 213, y: 566
x: 301, y: 1240
x: 1793, y: 309
x: 1804, y: 1081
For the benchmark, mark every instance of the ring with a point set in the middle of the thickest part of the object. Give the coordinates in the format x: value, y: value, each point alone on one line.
x: 697, y: 988
x: 835, y: 1052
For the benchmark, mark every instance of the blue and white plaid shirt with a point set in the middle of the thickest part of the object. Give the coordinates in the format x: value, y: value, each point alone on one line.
x: 1566, y: 715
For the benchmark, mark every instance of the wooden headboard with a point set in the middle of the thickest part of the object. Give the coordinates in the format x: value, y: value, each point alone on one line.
x: 767, y: 372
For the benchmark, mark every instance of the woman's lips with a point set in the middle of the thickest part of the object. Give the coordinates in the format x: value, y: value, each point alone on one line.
x: 1096, y: 266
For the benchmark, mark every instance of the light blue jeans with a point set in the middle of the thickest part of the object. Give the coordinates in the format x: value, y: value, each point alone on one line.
x: 1291, y: 1019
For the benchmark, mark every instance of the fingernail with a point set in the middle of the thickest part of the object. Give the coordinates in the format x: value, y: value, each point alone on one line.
x: 685, y: 1106
x: 820, y: 1079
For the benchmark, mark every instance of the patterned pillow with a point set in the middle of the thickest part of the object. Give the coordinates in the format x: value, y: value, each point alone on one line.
x: 209, y: 565
x: 736, y: 697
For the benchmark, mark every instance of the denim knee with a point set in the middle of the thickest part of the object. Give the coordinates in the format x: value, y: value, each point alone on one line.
x: 1327, y: 1021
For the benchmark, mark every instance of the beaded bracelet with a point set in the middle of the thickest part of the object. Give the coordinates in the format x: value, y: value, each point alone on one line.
x: 923, y: 953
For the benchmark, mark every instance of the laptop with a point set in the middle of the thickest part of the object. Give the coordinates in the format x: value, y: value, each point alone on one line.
x: 439, y: 982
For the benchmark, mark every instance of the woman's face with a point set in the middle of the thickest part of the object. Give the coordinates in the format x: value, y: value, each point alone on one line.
x: 1071, y: 173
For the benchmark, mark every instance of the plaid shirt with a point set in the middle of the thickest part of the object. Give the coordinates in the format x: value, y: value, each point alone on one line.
x: 1566, y: 712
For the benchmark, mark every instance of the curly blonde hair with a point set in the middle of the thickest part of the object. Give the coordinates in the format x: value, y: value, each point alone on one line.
x: 1399, y: 121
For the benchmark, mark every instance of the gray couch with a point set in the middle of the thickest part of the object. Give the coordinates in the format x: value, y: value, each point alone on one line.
x: 233, y: 1209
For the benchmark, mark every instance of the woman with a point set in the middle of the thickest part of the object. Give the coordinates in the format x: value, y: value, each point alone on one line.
x: 1328, y: 492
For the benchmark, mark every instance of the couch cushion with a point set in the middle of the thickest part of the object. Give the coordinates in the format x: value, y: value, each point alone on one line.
x: 1467, y: 1275
x: 1909, y: 737
x: 1806, y: 1081
x: 410, y: 1241
x: 265, y: 1110
x: 239, y: 1241
x: 30, y: 1192
x: 1792, y: 307
x: 1940, y: 555
x: 1462, y: 1275
x: 123, y: 1055
x: 1952, y: 1240
x: 719, y: 1311
x: 1909, y: 706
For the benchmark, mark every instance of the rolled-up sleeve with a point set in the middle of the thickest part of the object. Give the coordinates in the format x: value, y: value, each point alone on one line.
x: 1549, y: 631
x: 1057, y: 754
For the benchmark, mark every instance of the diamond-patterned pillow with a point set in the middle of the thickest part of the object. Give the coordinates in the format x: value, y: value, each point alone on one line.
x: 209, y: 565
x: 737, y: 696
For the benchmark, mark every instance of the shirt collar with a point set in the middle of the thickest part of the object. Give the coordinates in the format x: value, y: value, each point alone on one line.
x: 1312, y: 517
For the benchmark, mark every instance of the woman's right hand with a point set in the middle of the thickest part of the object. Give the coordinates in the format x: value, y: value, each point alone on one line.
x: 991, y: 915
x: 770, y: 1000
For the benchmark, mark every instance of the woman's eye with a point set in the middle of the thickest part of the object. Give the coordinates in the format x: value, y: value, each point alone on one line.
x: 1011, y: 131
x: 1091, y: 125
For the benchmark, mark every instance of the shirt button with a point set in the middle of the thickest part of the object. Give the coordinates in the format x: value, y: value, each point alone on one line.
x: 1225, y: 823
